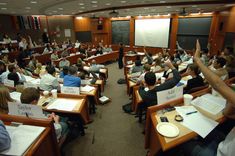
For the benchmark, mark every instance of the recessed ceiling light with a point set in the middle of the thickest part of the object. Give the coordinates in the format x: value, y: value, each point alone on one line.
x: 4, y: 8
x: 94, y: 6
x: 82, y: 7
x: 27, y: 7
x: 81, y: 3
x: 34, y: 2
x: 93, y: 2
x: 107, y: 4
x: 60, y: 8
x: 123, y: 1
x: 2, y: 3
x: 80, y: 11
x: 194, y: 6
x: 168, y: 7
x: 162, y: 1
x: 54, y: 11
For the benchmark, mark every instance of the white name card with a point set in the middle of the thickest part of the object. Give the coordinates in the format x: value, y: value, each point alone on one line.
x: 70, y: 90
x: 169, y: 95
x: 9, y: 83
x: 29, y: 110
x: 28, y: 85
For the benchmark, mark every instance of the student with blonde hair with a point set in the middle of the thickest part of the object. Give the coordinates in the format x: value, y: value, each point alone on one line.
x: 4, y: 99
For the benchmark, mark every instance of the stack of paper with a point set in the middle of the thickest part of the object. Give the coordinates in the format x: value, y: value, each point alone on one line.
x: 210, y: 103
x: 63, y: 104
x: 195, y: 121
x: 104, y: 99
x: 21, y: 138
x: 87, y: 88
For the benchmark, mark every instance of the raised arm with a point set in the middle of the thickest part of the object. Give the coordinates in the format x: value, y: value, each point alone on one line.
x: 215, y: 81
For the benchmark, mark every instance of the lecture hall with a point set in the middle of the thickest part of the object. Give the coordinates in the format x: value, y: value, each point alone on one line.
x: 117, y: 77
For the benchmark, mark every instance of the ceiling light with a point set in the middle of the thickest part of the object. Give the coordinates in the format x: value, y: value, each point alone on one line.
x: 34, y: 2
x: 123, y: 1
x: 4, y: 8
x: 128, y: 16
x: 194, y: 6
x: 3, y: 3
x: 81, y: 3
x: 94, y: 6
x: 207, y: 13
x: 93, y: 2
x: 107, y: 4
x: 27, y: 8
x: 54, y: 11
x: 79, y: 17
x: 82, y: 7
x: 60, y: 9
x: 162, y: 1
x: 168, y: 7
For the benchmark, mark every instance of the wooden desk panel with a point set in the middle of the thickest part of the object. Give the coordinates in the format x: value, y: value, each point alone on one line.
x: 104, y: 57
x: 72, y: 59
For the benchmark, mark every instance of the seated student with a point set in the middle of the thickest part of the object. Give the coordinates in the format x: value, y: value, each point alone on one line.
x: 109, y: 49
x: 31, y: 96
x: 5, y: 140
x: 72, y: 80
x: 99, y: 51
x: 137, y: 67
x: 77, y: 44
x: 95, y: 67
x: 184, y: 56
x: 105, y: 49
x: 204, y: 57
x: 47, y: 49
x: 64, y: 71
x: 215, y: 145
x: 64, y: 62
x: 38, y: 68
x: 54, y: 56
x: 196, y: 81
x: 18, y: 79
x: 32, y: 63
x: 157, y: 66
x: 48, y: 80
x: 148, y: 92
x: 146, y: 70
x: 4, y: 99
x: 3, y: 71
x: 148, y: 57
x: 176, y: 58
x: 218, y: 67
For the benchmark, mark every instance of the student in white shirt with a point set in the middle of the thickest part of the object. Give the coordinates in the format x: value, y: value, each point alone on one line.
x: 48, y: 80
x: 47, y: 49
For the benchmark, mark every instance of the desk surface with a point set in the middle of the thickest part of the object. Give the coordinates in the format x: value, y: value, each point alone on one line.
x: 185, y: 133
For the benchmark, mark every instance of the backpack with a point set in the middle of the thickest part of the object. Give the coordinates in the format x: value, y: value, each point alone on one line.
x: 127, y: 108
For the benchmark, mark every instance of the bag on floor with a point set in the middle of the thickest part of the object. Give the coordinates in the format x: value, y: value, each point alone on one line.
x: 121, y: 81
x: 127, y: 108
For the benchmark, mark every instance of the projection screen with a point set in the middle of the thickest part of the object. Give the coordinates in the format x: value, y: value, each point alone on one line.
x: 152, y: 32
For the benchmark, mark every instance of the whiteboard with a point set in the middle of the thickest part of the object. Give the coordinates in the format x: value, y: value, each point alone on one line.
x: 152, y: 32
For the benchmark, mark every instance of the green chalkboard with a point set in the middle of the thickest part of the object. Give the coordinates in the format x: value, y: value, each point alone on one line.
x: 121, y: 32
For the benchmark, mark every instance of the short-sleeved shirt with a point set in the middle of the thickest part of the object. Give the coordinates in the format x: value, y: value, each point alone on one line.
x: 72, y: 81
x: 48, y: 82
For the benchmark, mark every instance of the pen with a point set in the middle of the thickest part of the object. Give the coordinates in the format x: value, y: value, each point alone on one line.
x: 191, y: 112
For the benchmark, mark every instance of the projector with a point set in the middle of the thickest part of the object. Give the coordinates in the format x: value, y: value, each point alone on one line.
x: 113, y: 13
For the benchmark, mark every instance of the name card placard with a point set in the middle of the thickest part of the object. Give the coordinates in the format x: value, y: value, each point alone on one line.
x: 9, y: 83
x: 29, y: 110
x: 85, y: 82
x: 70, y: 90
x: 169, y: 94
x: 28, y: 85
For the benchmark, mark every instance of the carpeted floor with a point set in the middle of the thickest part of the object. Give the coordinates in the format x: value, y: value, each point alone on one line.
x: 113, y: 132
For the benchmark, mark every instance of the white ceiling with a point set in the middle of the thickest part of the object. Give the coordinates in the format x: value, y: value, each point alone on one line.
x: 71, y: 7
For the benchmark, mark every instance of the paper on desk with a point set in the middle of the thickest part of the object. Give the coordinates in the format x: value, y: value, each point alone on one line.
x: 15, y: 96
x: 19, y: 142
x: 210, y: 103
x: 159, y: 75
x: 86, y: 82
x: 87, y: 88
x: 28, y: 78
x: 196, y: 121
x: 63, y: 104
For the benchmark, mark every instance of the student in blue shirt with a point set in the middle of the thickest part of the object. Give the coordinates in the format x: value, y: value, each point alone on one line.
x: 72, y: 80
x: 5, y: 140
x: 64, y: 71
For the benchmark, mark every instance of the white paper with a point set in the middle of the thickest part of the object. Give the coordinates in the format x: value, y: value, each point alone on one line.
x: 210, y: 103
x: 21, y: 138
x: 9, y: 83
x: 63, y: 104
x: 196, y: 121
x: 87, y: 88
x: 159, y: 75
x: 85, y: 82
x: 103, y: 99
x: 15, y: 96
x: 169, y: 94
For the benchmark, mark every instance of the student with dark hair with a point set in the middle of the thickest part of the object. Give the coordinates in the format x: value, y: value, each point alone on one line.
x: 64, y: 72
x: 5, y: 140
x: 48, y: 80
x: 31, y: 96
x: 218, y: 67
x: 18, y: 79
x: 148, y: 92
x: 230, y: 61
x: 196, y: 81
x: 137, y: 67
x: 121, y: 54
x: 3, y: 71
x: 72, y: 80
x: 21, y: 58
x: 99, y: 51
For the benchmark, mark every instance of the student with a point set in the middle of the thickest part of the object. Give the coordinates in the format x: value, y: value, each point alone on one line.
x: 32, y: 63
x: 72, y: 80
x: 214, y: 146
x: 95, y: 67
x: 218, y: 68
x: 120, y: 57
x: 54, y: 56
x: 31, y: 96
x: 47, y: 49
x: 196, y: 81
x: 64, y: 71
x: 157, y: 66
x: 146, y: 70
x: 148, y: 57
x: 63, y: 62
x: 38, y: 68
x: 4, y: 99
x: 137, y: 67
x: 18, y: 79
x: 48, y: 80
x: 5, y: 140
x: 230, y: 59
x: 148, y: 92
x: 21, y: 58
x: 3, y: 71
x: 99, y: 51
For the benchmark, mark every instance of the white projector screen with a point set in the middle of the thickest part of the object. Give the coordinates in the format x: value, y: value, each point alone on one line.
x: 152, y: 32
